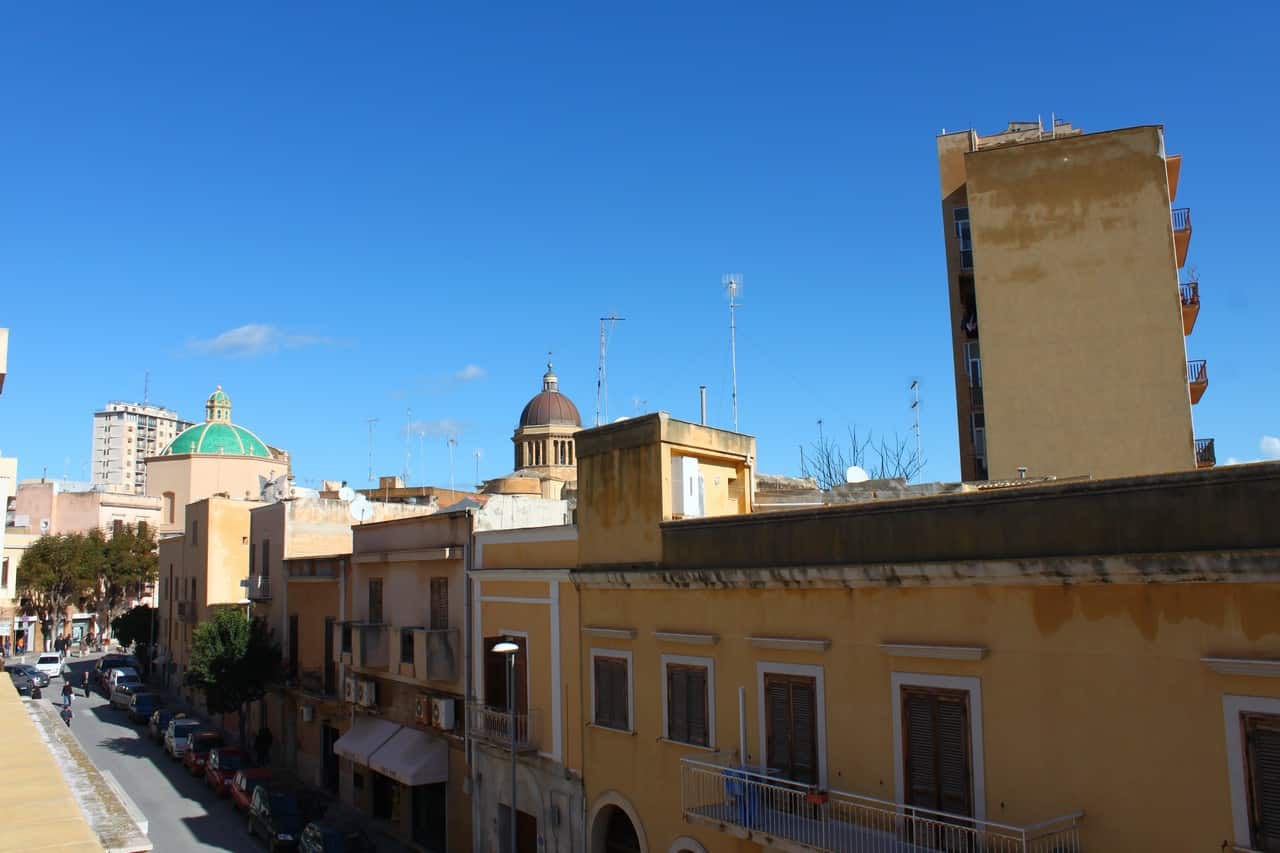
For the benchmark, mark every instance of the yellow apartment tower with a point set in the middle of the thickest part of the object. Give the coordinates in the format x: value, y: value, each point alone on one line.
x: 1070, y: 303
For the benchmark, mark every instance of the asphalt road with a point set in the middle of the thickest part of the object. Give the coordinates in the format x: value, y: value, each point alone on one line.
x: 184, y: 813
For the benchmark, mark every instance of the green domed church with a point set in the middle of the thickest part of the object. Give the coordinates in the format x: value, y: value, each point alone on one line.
x: 218, y: 435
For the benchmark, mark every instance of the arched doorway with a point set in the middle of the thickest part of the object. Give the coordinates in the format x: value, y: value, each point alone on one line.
x: 619, y: 833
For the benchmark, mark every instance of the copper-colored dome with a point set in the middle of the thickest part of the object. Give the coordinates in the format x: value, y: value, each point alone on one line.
x: 550, y: 407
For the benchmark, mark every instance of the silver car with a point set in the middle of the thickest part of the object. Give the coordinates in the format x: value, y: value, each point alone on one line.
x: 178, y: 737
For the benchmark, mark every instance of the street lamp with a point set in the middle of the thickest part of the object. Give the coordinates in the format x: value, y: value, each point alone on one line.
x: 508, y: 648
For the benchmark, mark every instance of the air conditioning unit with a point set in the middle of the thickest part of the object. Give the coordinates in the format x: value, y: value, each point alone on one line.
x: 349, y: 689
x: 369, y: 693
x: 422, y: 709
x: 442, y: 714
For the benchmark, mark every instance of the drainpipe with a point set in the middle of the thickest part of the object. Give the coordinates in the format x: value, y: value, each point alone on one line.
x: 468, y: 689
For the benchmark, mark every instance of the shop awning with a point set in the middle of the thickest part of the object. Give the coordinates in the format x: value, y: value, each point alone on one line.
x: 363, y: 739
x: 412, y: 757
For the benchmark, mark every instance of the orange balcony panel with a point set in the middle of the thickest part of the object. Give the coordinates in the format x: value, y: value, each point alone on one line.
x: 1181, y: 233
x: 1197, y: 379
x: 1190, y: 296
x: 1173, y: 165
x: 1206, y: 457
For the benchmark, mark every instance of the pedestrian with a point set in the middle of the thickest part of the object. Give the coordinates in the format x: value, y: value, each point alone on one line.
x: 66, y: 693
x: 86, y: 684
x: 66, y: 714
x: 262, y: 745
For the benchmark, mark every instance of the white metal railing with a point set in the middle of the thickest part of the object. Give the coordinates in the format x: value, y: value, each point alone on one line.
x: 773, y: 810
x: 495, y: 726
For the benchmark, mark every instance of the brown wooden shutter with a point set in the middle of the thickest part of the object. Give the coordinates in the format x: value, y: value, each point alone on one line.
x: 611, y: 692
x: 777, y: 698
x: 697, y: 713
x: 936, y: 750
x: 678, y: 703
x: 1262, y: 746
x: 804, y: 731
x: 439, y: 604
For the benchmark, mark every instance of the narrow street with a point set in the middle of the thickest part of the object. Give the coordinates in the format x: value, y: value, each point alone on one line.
x: 183, y: 813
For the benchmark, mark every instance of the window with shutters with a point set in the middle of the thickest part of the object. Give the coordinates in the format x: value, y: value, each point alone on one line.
x: 611, y: 689
x: 439, y: 604
x: 375, y: 601
x: 406, y: 645
x: 936, y: 752
x: 791, y: 726
x: 688, y: 699
x: 1262, y: 772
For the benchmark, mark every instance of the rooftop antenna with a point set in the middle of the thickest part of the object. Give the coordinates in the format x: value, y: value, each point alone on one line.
x: 915, y: 411
x: 733, y: 283
x: 422, y: 454
x: 452, y: 442
x: 371, y: 422
x: 477, y: 453
x: 146, y: 387
x: 602, y: 374
x: 408, y: 431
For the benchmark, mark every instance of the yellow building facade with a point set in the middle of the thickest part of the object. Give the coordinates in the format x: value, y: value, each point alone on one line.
x: 1069, y: 666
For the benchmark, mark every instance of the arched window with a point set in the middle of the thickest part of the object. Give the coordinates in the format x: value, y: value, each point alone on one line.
x: 168, y: 507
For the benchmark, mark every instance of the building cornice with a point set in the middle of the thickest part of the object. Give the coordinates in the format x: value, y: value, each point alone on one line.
x: 933, y: 651
x: 1258, y: 667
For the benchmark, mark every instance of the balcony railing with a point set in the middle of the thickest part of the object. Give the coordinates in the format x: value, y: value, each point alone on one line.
x: 259, y: 588
x: 1206, y: 457
x: 1181, y: 233
x: 756, y: 806
x: 1189, y: 293
x: 442, y: 655
x: 315, y: 568
x: 369, y: 646
x: 495, y: 726
x: 975, y: 398
x: 1197, y: 378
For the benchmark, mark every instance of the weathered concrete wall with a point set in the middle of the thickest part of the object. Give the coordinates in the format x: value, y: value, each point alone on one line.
x: 1083, y: 353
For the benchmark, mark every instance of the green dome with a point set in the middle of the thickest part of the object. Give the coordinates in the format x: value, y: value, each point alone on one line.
x: 215, y: 438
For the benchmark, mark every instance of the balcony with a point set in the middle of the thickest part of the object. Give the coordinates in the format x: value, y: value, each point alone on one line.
x: 1173, y: 165
x: 1206, y: 457
x: 1181, y: 234
x: 435, y: 654
x: 258, y: 588
x: 361, y: 644
x: 317, y: 568
x: 1190, y: 296
x: 781, y: 814
x: 975, y: 398
x: 495, y: 726
x: 1197, y: 379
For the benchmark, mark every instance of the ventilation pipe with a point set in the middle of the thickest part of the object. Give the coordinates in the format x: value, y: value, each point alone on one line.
x: 702, y: 397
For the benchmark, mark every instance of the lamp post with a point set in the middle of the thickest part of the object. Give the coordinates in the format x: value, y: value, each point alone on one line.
x: 508, y: 648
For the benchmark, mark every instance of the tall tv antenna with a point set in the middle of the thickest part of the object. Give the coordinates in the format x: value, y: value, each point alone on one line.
x: 371, y: 422
x: 915, y: 411
x: 453, y: 442
x: 477, y: 453
x: 146, y: 388
x: 408, y: 428
x: 602, y: 374
x: 733, y: 283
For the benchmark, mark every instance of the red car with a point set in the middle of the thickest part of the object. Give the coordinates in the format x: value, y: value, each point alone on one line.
x: 221, y: 768
x: 243, y: 783
x: 198, y: 751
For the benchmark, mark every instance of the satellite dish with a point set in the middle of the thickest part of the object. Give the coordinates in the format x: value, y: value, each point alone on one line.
x: 361, y: 509
x: 855, y: 475
x: 346, y: 494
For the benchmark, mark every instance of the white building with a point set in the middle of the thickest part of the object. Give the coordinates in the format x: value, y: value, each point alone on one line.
x: 124, y: 435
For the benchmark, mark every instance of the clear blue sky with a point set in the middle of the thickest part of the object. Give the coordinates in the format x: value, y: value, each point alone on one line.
x: 399, y: 193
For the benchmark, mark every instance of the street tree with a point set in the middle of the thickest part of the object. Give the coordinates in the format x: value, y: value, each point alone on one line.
x: 136, y: 625
x: 233, y: 659
x: 55, y: 572
x: 128, y: 563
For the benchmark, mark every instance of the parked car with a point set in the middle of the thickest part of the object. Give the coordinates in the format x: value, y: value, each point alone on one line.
x: 324, y: 837
x: 35, y: 676
x: 180, y: 730
x: 123, y: 689
x: 221, y: 767
x: 198, y: 747
x: 118, y: 673
x: 143, y: 705
x: 244, y: 783
x: 50, y: 663
x: 159, y: 724
x: 106, y: 663
x: 276, y: 817
x: 22, y: 684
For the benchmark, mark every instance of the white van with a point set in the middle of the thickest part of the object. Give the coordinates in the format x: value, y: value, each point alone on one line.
x: 50, y: 663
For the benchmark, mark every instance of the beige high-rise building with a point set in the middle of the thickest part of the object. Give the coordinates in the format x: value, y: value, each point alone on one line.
x: 124, y: 435
x: 1070, y: 303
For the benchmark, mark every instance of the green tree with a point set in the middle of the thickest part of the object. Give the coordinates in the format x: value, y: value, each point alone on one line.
x: 127, y: 564
x: 55, y: 572
x: 233, y: 658
x: 136, y: 625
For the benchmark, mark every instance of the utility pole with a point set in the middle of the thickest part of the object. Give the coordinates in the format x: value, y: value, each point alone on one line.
x: 371, y: 422
x: 602, y: 375
x: 733, y: 283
